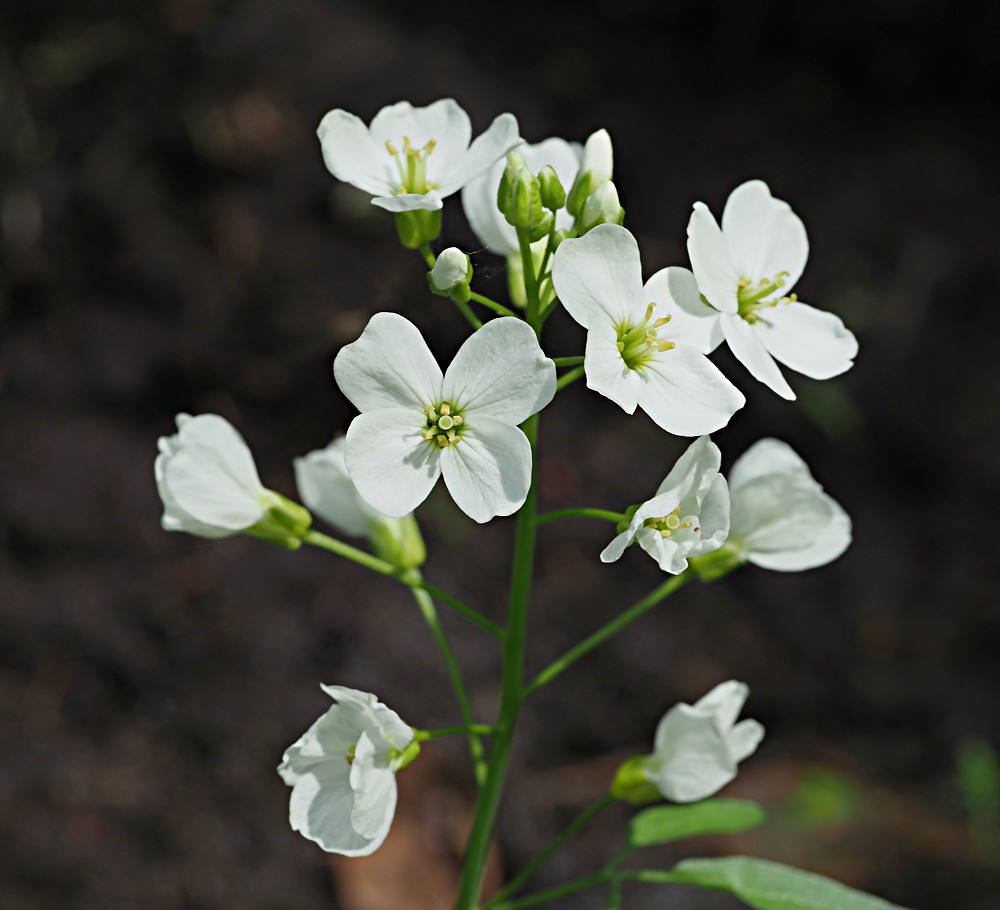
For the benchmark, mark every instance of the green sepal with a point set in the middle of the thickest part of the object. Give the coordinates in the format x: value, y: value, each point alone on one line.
x: 284, y: 524
x: 581, y: 189
x: 418, y: 227
x: 401, y: 758
x: 718, y: 563
x: 398, y: 541
x: 541, y: 230
x: 632, y: 784
x: 553, y: 193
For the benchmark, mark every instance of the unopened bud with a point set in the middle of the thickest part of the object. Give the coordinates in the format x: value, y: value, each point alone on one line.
x: 602, y: 207
x: 452, y: 269
x: 596, y: 167
x: 524, y: 200
x: 514, y: 163
x: 553, y: 194
x: 542, y: 229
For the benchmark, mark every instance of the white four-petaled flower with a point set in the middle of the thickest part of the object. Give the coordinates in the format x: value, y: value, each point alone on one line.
x: 781, y: 518
x: 207, y: 479
x: 644, y: 343
x: 417, y: 423
x: 342, y: 772
x: 698, y: 747
x: 688, y: 516
x: 411, y: 158
x: 746, y: 270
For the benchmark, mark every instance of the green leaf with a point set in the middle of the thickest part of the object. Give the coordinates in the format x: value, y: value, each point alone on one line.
x: 766, y: 885
x: 711, y: 816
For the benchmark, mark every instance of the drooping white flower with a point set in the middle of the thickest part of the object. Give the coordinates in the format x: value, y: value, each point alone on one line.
x: 416, y: 424
x: 696, y: 749
x: 644, y: 343
x: 479, y: 196
x: 207, y: 479
x: 688, y: 516
x: 412, y: 158
x: 746, y: 270
x: 781, y: 518
x: 342, y: 772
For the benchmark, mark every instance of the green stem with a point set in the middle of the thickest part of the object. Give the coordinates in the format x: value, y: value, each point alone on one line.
x: 429, y: 257
x: 530, y: 279
x: 566, y: 378
x: 606, y: 631
x: 510, y: 691
x: 567, y: 361
x: 553, y: 894
x: 602, y: 514
x: 471, y: 317
x: 497, y: 308
x: 475, y: 729
x: 427, y: 610
x: 550, y: 308
x: 332, y: 545
x: 515, y: 884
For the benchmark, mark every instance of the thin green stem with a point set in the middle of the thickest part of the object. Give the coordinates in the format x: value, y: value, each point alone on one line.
x: 497, y: 308
x: 602, y: 514
x: 606, y: 631
x: 570, y: 377
x: 553, y: 894
x: 428, y: 611
x: 428, y: 254
x: 550, y: 308
x: 516, y: 883
x: 567, y: 361
x: 332, y: 545
x: 476, y: 729
x: 530, y: 278
x: 471, y: 317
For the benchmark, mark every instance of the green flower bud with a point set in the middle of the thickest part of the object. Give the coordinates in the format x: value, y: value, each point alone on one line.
x: 398, y: 541
x: 418, y: 227
x: 542, y: 229
x: 524, y: 200
x: 284, y: 524
x: 553, y: 194
x: 514, y: 163
x: 632, y: 784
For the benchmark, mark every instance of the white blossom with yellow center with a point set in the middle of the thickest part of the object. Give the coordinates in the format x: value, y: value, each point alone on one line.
x: 411, y: 158
x: 417, y: 423
x: 746, y: 271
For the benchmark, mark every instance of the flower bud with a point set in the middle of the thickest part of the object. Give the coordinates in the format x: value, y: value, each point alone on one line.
x: 595, y: 169
x: 553, y: 194
x: 451, y: 275
x: 514, y: 163
x: 602, y: 207
x: 417, y: 227
x: 524, y: 200
x: 541, y: 230
x: 398, y: 541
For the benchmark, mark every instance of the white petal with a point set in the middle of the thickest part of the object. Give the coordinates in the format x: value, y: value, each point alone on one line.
x: 693, y: 473
x: 765, y: 236
x: 320, y: 808
x: 384, y: 726
x: 327, y: 490
x: 174, y: 518
x: 500, y: 371
x: 410, y: 202
x: 613, y: 551
x: 486, y: 149
x: 389, y: 366
x: 717, y: 275
x: 724, y: 702
x: 598, y: 277
x: 391, y: 464
x: 374, y: 785
x: 692, y: 321
x: 825, y: 546
x: 489, y: 472
x: 714, y: 515
x: 767, y: 456
x: 212, y: 476
x: 606, y: 371
x: 745, y: 343
x: 443, y: 122
x: 810, y: 341
x: 670, y: 555
x: 692, y: 759
x: 744, y: 738
x: 686, y: 394
x: 351, y: 154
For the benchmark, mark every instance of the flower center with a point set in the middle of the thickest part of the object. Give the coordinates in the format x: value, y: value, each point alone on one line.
x: 668, y: 524
x: 638, y: 343
x: 753, y: 297
x: 412, y: 166
x: 444, y: 424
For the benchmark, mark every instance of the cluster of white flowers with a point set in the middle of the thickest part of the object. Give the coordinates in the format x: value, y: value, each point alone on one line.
x: 646, y: 347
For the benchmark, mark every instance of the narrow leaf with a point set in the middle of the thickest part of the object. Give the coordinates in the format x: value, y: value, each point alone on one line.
x: 711, y: 816
x: 768, y: 886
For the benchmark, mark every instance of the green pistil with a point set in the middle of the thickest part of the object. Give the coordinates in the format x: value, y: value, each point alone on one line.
x: 638, y: 342
x: 350, y: 753
x: 444, y: 425
x: 412, y: 166
x: 667, y: 524
x: 751, y: 298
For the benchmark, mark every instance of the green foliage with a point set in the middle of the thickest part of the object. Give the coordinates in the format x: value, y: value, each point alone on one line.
x: 711, y: 816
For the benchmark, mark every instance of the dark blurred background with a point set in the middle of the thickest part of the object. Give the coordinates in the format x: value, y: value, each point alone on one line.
x: 170, y: 240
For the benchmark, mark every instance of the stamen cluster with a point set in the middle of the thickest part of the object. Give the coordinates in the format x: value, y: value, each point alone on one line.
x: 443, y: 424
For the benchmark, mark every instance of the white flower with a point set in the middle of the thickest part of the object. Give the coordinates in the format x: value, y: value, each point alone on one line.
x: 412, y: 158
x: 416, y: 423
x: 746, y: 270
x: 450, y: 268
x: 781, y: 518
x: 688, y: 516
x: 479, y: 196
x: 207, y: 479
x: 698, y: 747
x: 596, y: 167
x: 644, y: 343
x: 342, y: 772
